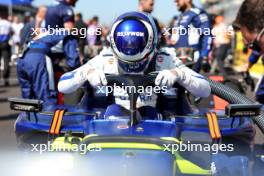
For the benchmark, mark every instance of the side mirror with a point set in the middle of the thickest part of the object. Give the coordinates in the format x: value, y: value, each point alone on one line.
x: 28, y: 105
x: 241, y: 110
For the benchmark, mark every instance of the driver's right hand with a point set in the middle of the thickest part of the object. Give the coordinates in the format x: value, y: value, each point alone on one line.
x: 96, y: 77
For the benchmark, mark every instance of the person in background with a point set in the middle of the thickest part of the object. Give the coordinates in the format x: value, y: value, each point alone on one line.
x: 250, y: 21
x: 28, y: 31
x: 33, y: 67
x: 193, y: 19
x: 81, y: 26
x: 94, y: 37
x: 105, y: 36
x: 10, y: 18
x: 173, y: 23
x: 17, y: 26
x: 221, y: 43
x: 60, y: 15
x: 147, y: 7
x: 5, y: 49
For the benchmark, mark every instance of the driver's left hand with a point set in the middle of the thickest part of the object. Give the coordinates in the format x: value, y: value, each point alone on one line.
x: 167, y: 78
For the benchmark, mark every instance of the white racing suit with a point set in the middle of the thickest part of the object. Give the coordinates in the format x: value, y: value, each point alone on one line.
x: 106, y: 61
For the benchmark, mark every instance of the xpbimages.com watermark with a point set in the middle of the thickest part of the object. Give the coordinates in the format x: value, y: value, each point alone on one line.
x: 191, y: 147
x: 167, y: 31
x: 81, y: 32
x: 51, y: 147
x: 172, y: 148
x: 190, y: 30
x: 122, y: 89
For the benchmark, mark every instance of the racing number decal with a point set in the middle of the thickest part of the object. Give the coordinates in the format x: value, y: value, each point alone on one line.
x: 213, y: 125
x: 56, y: 122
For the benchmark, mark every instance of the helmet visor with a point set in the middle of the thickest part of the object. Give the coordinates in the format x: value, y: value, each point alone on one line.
x: 131, y: 37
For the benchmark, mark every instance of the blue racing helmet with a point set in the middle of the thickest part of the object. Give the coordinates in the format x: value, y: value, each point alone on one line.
x: 133, y: 40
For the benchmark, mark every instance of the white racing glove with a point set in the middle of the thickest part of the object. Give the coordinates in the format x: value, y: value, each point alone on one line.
x: 96, y: 77
x: 167, y: 78
x: 85, y: 73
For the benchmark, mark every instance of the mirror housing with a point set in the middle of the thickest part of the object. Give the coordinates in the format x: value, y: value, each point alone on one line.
x: 28, y: 105
x: 241, y: 110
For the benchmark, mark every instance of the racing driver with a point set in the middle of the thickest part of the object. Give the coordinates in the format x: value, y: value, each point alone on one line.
x: 133, y: 40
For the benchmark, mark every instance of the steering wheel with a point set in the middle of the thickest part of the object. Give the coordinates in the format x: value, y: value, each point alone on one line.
x: 135, y: 81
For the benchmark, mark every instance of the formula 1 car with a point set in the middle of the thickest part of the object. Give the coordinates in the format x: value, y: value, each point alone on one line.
x: 132, y: 145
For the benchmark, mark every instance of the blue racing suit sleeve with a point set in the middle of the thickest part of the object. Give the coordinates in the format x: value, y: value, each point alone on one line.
x: 201, y: 22
x: 254, y: 57
x: 70, y: 48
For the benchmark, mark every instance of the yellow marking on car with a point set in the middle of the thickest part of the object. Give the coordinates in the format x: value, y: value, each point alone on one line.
x: 59, y: 144
x: 89, y: 136
x: 127, y: 145
x: 189, y: 168
x: 171, y: 139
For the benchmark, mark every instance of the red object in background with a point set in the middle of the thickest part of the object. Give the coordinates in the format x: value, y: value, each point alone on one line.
x: 219, y: 103
x: 60, y: 95
x: 217, y: 78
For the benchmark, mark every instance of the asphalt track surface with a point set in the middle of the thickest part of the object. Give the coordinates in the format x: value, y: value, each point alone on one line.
x: 7, y: 116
